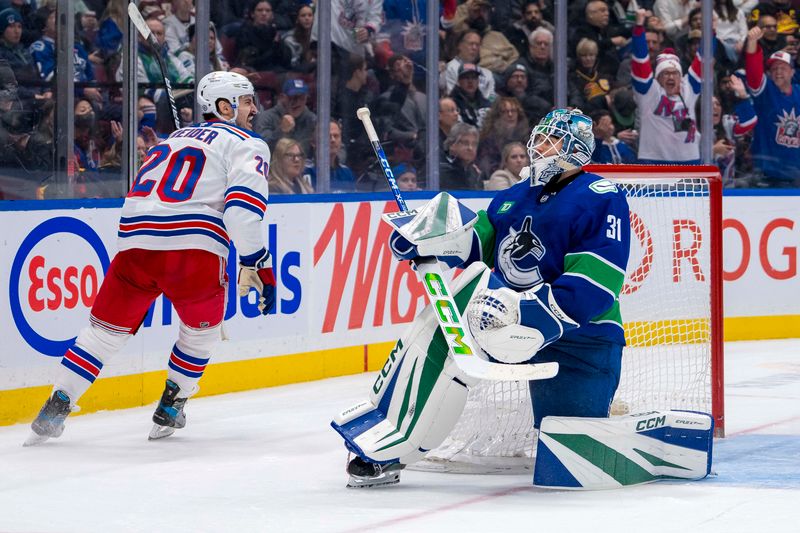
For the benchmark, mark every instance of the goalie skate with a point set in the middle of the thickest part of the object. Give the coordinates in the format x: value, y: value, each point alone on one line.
x: 365, y: 475
x: 50, y: 421
x: 169, y: 414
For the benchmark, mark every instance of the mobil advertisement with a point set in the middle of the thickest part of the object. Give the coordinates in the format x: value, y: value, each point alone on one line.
x: 338, y: 285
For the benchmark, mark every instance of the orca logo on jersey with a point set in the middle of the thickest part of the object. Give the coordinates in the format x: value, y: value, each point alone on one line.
x: 519, y: 255
x: 58, y: 276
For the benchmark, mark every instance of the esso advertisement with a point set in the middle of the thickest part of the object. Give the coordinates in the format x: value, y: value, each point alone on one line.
x: 54, y: 279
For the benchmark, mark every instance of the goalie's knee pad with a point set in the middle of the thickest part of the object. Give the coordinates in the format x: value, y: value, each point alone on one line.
x: 418, y: 395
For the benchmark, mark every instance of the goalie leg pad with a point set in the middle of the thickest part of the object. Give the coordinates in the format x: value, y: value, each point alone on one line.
x: 419, y: 393
x: 597, y: 453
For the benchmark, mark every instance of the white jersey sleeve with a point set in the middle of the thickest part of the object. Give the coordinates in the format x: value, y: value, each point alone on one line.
x: 246, y: 195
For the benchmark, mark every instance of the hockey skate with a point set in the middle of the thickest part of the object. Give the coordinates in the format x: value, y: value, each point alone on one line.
x: 50, y: 421
x: 364, y: 474
x: 169, y: 414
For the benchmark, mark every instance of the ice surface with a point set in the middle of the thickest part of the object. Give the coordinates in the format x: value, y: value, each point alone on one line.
x: 267, y: 460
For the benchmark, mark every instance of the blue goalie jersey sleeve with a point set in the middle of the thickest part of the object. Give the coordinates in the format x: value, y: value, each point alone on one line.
x: 576, y: 238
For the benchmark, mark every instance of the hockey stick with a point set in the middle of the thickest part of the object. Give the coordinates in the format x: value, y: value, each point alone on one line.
x: 460, y: 343
x: 144, y: 29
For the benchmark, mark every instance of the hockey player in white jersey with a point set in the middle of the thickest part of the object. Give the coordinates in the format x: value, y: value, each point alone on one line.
x: 202, y: 187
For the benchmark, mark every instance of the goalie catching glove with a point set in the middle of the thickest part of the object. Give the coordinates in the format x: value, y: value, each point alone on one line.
x: 512, y: 326
x: 255, y: 272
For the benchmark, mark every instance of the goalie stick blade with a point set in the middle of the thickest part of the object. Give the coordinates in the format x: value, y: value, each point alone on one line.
x: 478, y: 368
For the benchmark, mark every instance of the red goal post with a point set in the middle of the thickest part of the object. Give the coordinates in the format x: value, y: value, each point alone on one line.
x: 672, y: 311
x: 709, y: 183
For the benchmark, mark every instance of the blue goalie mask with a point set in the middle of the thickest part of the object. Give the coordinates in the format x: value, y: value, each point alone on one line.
x: 563, y: 140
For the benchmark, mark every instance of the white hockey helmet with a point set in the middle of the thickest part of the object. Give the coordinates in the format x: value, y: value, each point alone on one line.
x: 228, y: 86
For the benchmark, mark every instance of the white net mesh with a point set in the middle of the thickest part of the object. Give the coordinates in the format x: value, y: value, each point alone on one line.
x: 666, y: 308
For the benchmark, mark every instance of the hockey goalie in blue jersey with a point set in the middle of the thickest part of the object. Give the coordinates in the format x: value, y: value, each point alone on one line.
x: 543, y: 270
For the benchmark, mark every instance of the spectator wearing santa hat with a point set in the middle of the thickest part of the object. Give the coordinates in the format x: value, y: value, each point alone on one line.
x: 666, y: 100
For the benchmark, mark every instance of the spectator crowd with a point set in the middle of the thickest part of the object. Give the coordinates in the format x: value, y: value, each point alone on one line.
x: 634, y: 66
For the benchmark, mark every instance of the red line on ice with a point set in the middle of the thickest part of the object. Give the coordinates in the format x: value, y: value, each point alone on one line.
x: 444, y: 508
x: 763, y: 426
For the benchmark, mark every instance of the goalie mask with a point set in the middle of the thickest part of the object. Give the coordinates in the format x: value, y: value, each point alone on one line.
x: 563, y: 140
x: 227, y: 86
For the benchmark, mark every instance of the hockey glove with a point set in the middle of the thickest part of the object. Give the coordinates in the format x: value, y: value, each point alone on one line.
x: 255, y: 272
x: 512, y: 326
x: 453, y: 249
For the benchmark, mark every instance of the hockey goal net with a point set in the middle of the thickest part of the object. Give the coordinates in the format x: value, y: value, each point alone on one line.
x: 672, y: 311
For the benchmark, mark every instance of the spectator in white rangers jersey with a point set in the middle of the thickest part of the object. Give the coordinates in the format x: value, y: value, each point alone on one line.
x: 666, y: 103
x: 195, y: 189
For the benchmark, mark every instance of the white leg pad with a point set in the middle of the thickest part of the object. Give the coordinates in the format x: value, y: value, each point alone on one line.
x: 609, y: 453
x: 419, y: 394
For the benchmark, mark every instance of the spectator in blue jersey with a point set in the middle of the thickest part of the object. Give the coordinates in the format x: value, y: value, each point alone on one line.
x: 776, y: 141
x: 43, y: 52
x: 607, y: 148
x: 665, y: 99
x: 87, y: 154
x: 342, y: 178
x: 109, y: 32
